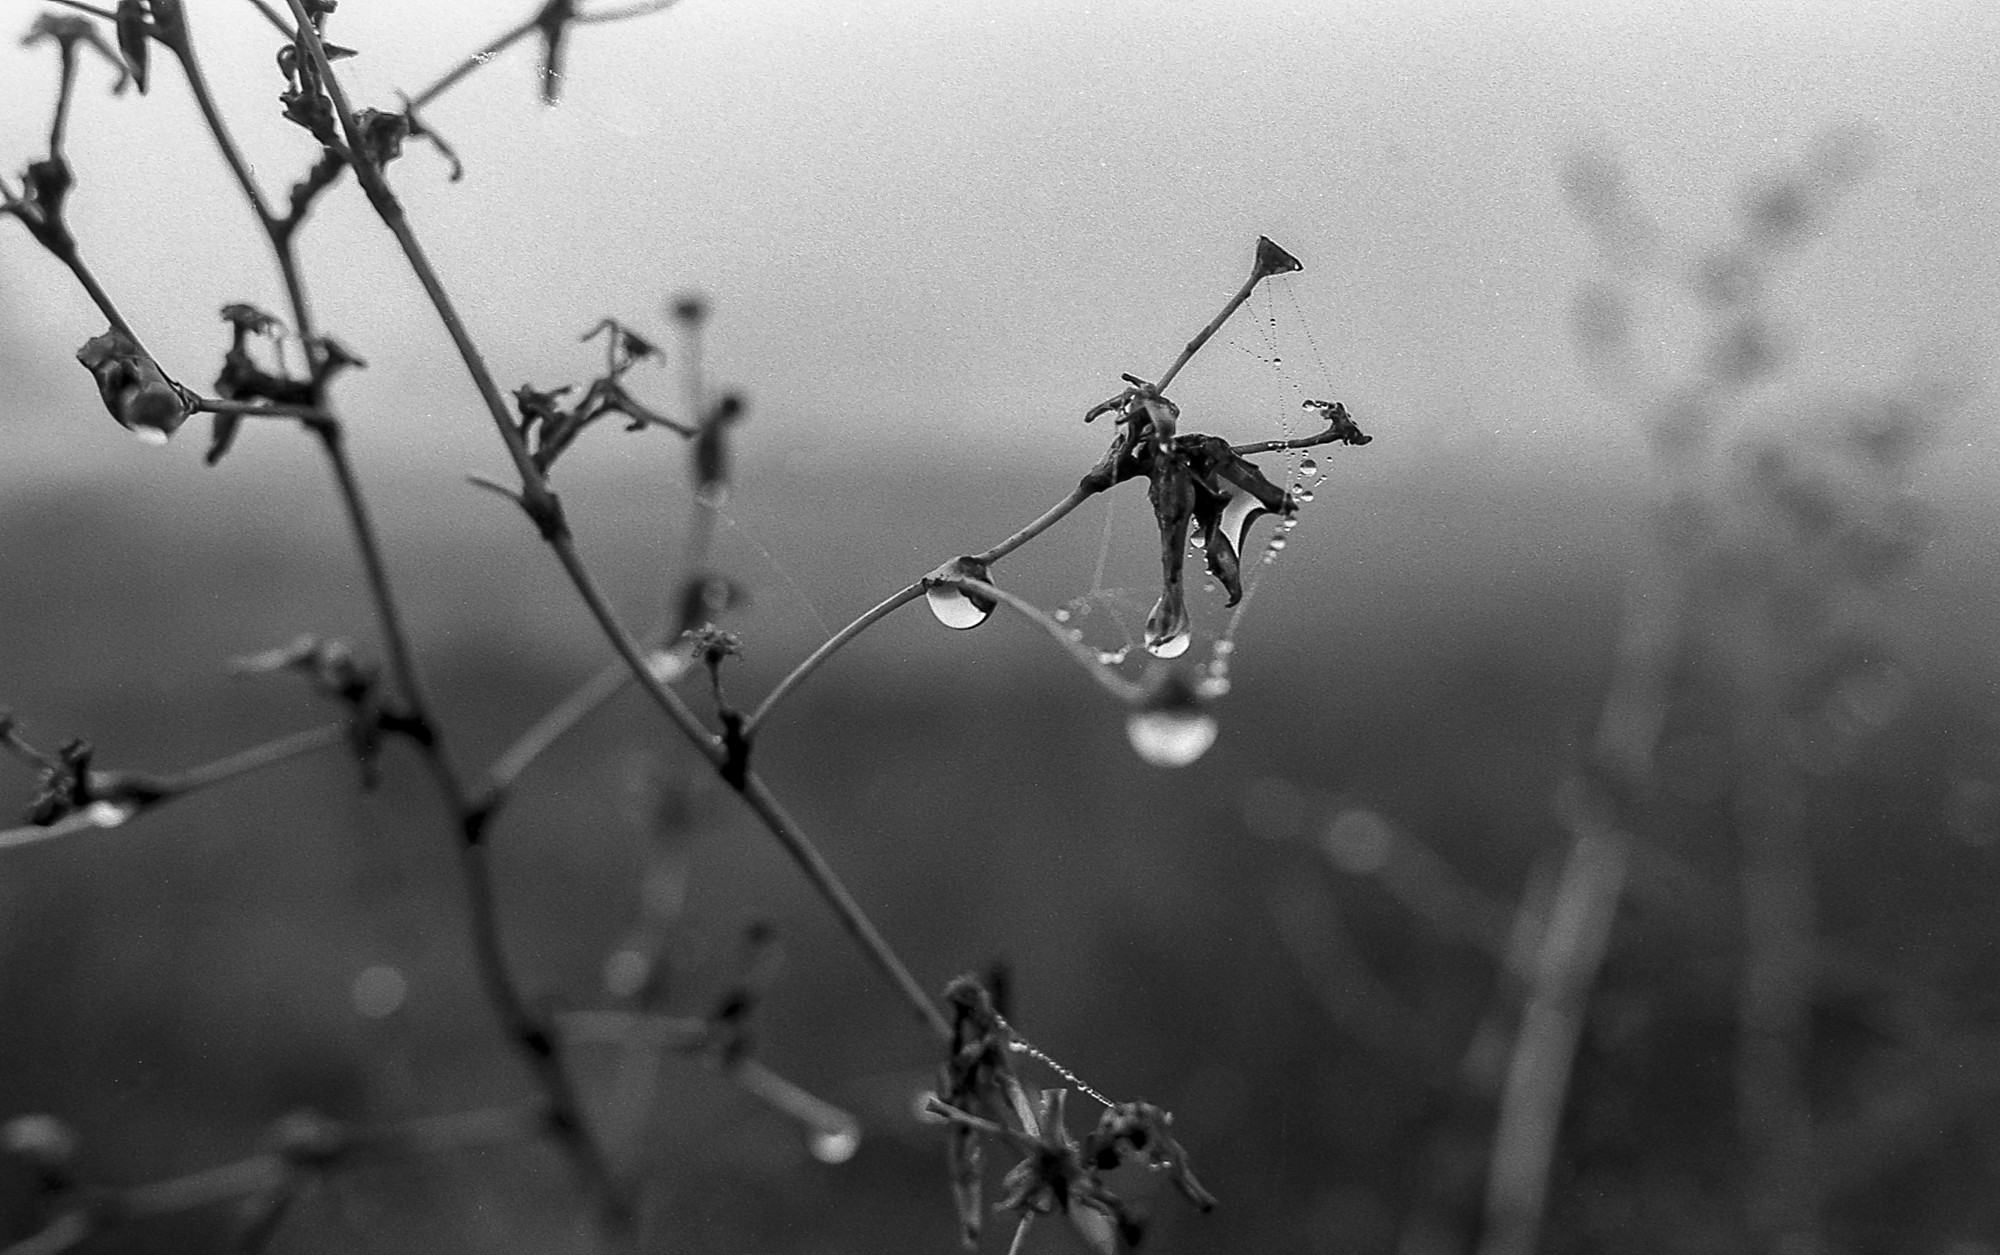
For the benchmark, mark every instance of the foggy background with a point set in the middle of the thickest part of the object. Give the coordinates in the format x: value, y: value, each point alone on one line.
x: 933, y: 236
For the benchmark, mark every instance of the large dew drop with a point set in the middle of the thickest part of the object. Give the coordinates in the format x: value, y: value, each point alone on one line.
x: 1171, y: 646
x: 110, y: 814
x: 1308, y: 469
x: 954, y: 609
x: 1170, y: 738
x: 835, y: 1145
x: 953, y: 606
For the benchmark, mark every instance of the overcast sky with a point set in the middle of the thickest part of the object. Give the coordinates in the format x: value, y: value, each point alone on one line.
x: 928, y: 224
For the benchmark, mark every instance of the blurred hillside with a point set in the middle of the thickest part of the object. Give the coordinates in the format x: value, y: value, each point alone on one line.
x: 1422, y: 662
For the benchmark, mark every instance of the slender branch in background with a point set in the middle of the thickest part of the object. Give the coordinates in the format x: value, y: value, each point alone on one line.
x: 307, y: 1144
x: 563, y: 718
x: 1774, y: 1006
x: 256, y: 758
x: 127, y: 796
x: 1538, y: 1077
x: 1585, y: 903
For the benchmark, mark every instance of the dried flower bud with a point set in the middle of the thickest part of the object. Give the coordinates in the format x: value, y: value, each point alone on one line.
x: 135, y: 389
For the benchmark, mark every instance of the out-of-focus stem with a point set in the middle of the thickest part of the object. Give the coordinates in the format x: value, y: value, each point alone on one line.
x: 1538, y: 1076
x: 256, y: 758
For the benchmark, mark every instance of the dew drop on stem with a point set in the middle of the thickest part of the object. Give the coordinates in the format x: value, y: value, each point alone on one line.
x: 110, y: 814
x: 834, y: 1145
x: 954, y: 609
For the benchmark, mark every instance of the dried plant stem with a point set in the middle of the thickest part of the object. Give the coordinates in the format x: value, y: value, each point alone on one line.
x: 565, y: 1111
x: 1270, y: 260
x: 98, y: 296
x: 544, y: 508
x: 1049, y: 518
x: 256, y: 758
x: 1117, y: 685
x: 513, y: 35
x: 811, y: 663
x: 766, y: 807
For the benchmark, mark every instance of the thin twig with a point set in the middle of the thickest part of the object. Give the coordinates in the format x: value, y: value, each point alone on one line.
x: 256, y: 758
x: 812, y: 662
x: 1049, y: 518
x: 1117, y: 685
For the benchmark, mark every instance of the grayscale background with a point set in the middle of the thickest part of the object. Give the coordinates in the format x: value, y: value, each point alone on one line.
x: 933, y: 235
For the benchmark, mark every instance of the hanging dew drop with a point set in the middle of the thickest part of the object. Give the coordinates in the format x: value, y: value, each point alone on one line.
x: 834, y: 1145
x: 1308, y: 468
x: 1062, y: 616
x: 149, y: 436
x: 1170, y: 738
x: 954, y: 609
x: 1212, y: 686
x: 1277, y: 544
x: 1302, y: 493
x: 1197, y: 541
x: 1112, y: 657
x: 1171, y: 646
x: 110, y: 814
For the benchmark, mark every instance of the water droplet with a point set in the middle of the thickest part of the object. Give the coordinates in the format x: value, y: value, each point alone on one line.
x: 1276, y: 360
x: 149, y: 436
x: 1062, y: 616
x: 1302, y: 493
x: 1213, y: 685
x: 625, y: 972
x: 1171, y: 646
x: 1224, y: 648
x: 1277, y: 544
x: 1112, y: 657
x: 1308, y: 468
x: 1170, y: 738
x: 1196, y: 540
x: 835, y: 1145
x: 669, y: 665
x: 378, y: 991
x: 1076, y: 634
x: 110, y: 814
x: 1358, y: 841
x: 954, y: 609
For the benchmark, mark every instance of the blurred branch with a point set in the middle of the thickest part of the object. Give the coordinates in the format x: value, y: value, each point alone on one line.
x: 554, y: 14
x: 1566, y: 965
x: 307, y: 1143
